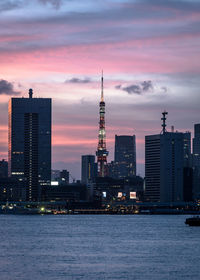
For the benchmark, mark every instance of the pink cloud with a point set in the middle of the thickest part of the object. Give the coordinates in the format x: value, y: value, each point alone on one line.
x: 153, y: 55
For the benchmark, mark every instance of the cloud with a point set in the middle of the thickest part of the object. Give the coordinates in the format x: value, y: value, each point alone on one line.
x: 7, y: 88
x: 133, y: 89
x: 138, y: 89
x: 147, y: 85
x: 164, y: 89
x: 78, y: 81
x: 9, y: 5
x: 55, y: 3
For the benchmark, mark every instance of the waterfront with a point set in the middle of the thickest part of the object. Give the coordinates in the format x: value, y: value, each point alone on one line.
x: 98, y: 247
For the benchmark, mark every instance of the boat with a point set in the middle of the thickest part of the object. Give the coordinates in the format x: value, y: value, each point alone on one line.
x: 194, y: 221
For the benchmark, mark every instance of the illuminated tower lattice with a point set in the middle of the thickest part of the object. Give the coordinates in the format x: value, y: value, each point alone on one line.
x: 102, y: 153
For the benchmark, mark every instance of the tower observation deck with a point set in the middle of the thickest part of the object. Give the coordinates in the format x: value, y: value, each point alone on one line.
x: 101, y: 152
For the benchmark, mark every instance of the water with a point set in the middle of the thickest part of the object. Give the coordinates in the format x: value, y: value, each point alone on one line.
x: 98, y: 247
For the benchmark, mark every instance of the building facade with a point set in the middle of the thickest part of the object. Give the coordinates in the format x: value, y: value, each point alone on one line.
x: 196, y: 161
x: 3, y: 168
x: 171, y: 167
x: 125, y: 156
x: 164, y: 165
x: 88, y: 169
x: 152, y: 167
x: 29, y: 149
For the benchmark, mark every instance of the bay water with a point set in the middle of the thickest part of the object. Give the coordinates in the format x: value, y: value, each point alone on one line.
x: 139, y: 247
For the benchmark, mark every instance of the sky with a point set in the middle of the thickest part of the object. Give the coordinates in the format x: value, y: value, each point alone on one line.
x: 149, y: 51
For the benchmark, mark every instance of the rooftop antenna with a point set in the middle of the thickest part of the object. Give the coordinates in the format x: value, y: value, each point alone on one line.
x: 102, y: 86
x: 30, y: 93
x: 164, y: 122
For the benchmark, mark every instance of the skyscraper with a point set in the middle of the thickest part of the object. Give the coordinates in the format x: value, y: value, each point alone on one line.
x: 188, y: 184
x: 29, y: 150
x: 152, y: 167
x: 171, y: 166
x: 3, y: 168
x: 125, y: 156
x: 196, y: 161
x: 187, y: 149
x: 88, y: 169
x: 164, y: 163
x: 101, y: 152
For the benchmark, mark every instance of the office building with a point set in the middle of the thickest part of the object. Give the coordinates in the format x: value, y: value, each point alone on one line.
x: 164, y: 162
x: 187, y: 168
x: 165, y: 155
x: 125, y: 156
x: 187, y: 149
x: 3, y: 168
x: 29, y: 151
x: 196, y: 161
x: 88, y: 169
x: 171, y: 166
x: 152, y: 167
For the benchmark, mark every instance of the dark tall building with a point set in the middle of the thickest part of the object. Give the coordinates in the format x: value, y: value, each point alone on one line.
x: 164, y: 162
x: 152, y: 167
x: 88, y: 169
x: 165, y: 155
x: 187, y: 149
x: 29, y: 151
x: 125, y: 156
x: 196, y: 161
x: 3, y: 168
x: 187, y: 170
x: 172, y: 163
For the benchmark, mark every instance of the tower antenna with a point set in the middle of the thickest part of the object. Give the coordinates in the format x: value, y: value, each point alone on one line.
x: 102, y: 99
x: 164, y: 122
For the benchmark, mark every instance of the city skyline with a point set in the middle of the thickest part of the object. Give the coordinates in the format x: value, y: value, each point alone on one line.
x: 150, y: 63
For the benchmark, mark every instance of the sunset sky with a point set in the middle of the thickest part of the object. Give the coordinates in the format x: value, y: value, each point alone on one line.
x: 149, y: 51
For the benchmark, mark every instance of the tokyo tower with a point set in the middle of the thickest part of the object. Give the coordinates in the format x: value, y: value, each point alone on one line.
x: 101, y: 152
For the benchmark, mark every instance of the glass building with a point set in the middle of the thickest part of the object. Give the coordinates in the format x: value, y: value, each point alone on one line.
x: 125, y: 156
x: 165, y: 156
x: 196, y: 161
x: 29, y: 150
x: 88, y: 169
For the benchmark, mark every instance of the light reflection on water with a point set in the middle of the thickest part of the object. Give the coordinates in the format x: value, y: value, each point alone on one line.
x: 98, y: 247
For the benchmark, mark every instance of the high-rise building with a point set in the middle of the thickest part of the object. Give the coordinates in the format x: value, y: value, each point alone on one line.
x: 171, y: 166
x: 187, y: 170
x: 187, y: 149
x: 196, y: 161
x: 3, y: 168
x: 88, y: 169
x: 152, y: 167
x: 29, y: 151
x: 164, y: 163
x: 125, y: 156
x: 101, y: 152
